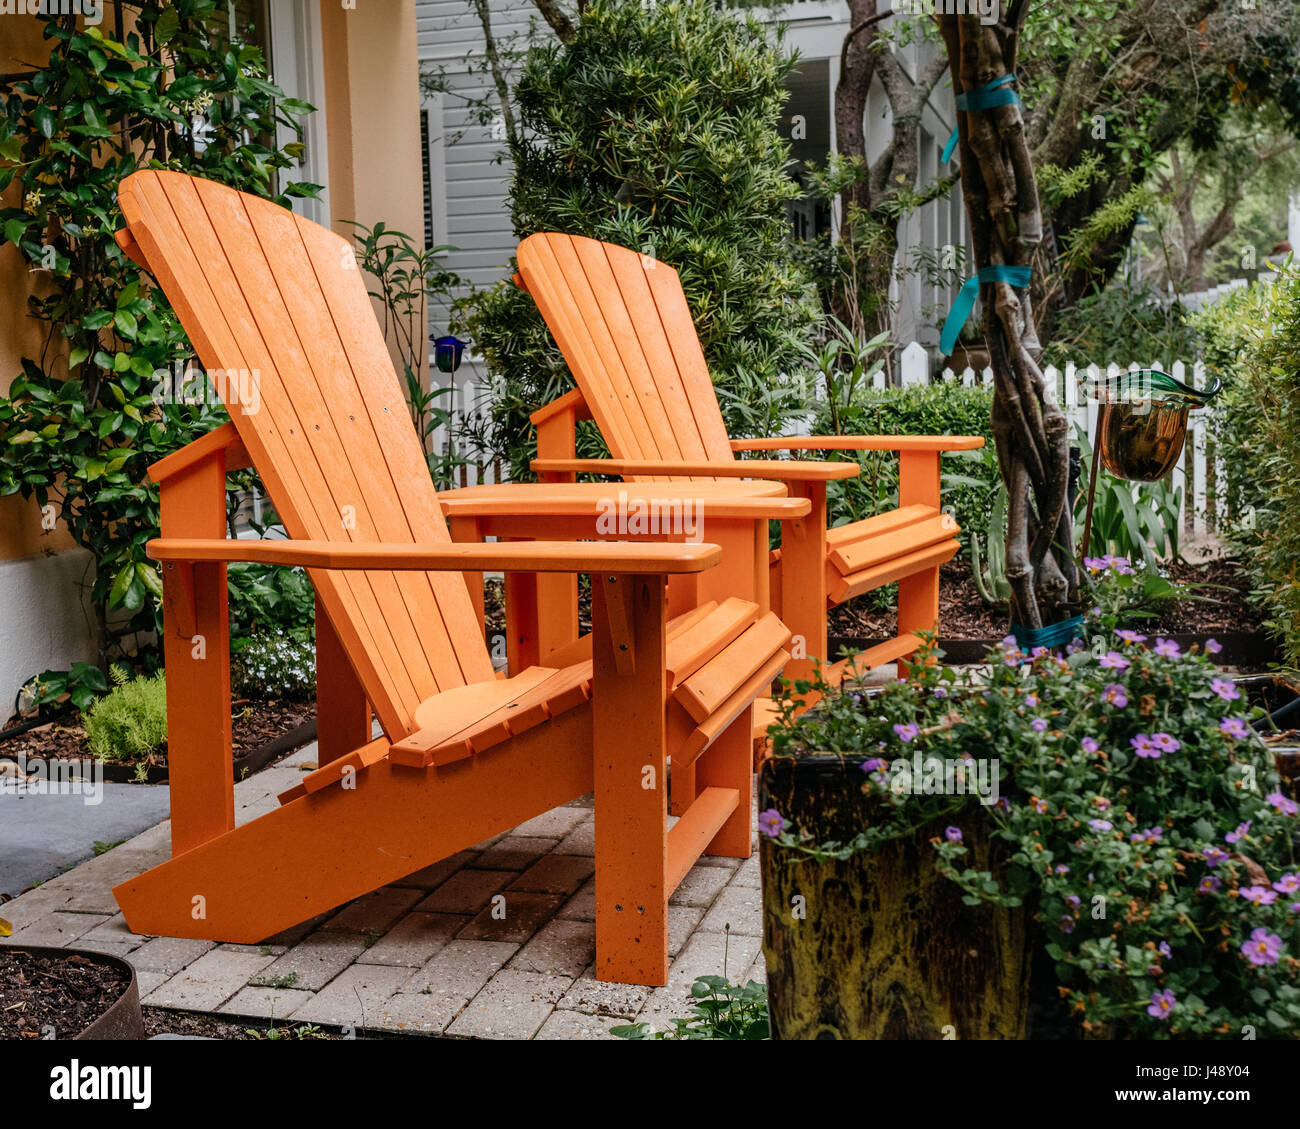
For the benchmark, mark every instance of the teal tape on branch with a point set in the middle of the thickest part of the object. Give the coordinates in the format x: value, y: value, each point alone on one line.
x: 995, y: 93
x: 965, y: 301
x: 1053, y: 635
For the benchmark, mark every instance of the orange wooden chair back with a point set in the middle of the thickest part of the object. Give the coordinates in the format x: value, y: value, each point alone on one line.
x: 260, y: 289
x: 622, y: 322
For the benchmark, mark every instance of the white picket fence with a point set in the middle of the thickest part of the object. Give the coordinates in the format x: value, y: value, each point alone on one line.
x: 1194, y: 475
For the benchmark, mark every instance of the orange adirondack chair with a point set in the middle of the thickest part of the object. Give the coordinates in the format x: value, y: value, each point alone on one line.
x: 622, y: 322
x: 463, y: 754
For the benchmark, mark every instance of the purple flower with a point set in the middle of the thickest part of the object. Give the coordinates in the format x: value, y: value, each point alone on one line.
x: 1031, y: 700
x: 1166, y: 742
x: 1038, y: 652
x: 1131, y: 636
x: 940, y: 692
x: 1144, y: 746
x: 1040, y: 806
x: 1113, y: 660
x: 1213, y: 647
x: 906, y: 732
x: 1119, y: 564
x: 1038, y: 725
x: 1150, y: 835
x: 1226, y: 690
x: 1287, y: 884
x: 1162, y: 1003
x: 1094, y: 563
x: 1233, y: 727
x: 1115, y: 695
x: 1260, y: 895
x: 1167, y: 649
x: 1100, y: 824
x: 771, y: 823
x: 1089, y: 745
x: 952, y: 834
x: 875, y: 764
x: 1262, y: 948
x: 1294, y: 907
x: 1240, y: 833
x: 1067, y: 923
x: 1155, y: 970
x: 1209, y: 884
x: 1214, y: 855
x: 1284, y: 804
x: 1165, y: 950
x: 1074, y: 900
x: 1062, y: 869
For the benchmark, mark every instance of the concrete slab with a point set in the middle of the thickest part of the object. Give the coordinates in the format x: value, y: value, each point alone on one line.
x: 42, y: 836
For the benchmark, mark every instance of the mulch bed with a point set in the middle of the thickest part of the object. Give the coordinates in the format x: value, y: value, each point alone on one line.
x: 1223, y: 606
x: 253, y: 724
x: 64, y: 993
x: 161, y: 1021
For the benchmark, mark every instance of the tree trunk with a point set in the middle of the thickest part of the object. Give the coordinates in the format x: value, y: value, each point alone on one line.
x: 1031, y: 433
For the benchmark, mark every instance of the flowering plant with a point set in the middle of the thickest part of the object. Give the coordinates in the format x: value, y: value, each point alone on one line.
x: 1143, y: 822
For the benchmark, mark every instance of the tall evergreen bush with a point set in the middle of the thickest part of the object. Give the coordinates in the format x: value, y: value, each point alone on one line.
x: 657, y: 128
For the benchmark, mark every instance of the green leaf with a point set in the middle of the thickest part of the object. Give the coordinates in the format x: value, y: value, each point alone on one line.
x: 121, y: 582
x: 77, y: 356
x: 14, y: 230
x: 125, y: 323
x: 150, y: 579
x: 43, y: 116
x: 167, y: 25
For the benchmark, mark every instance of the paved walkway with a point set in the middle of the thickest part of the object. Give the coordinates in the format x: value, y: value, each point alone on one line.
x: 424, y: 955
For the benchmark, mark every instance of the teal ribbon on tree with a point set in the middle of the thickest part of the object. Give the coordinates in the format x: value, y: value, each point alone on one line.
x: 965, y: 301
x: 1053, y: 635
x: 995, y: 93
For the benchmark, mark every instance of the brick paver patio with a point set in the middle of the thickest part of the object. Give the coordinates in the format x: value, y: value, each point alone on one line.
x: 431, y: 954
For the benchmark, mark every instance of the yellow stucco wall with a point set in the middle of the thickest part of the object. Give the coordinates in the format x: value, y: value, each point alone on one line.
x: 372, y: 111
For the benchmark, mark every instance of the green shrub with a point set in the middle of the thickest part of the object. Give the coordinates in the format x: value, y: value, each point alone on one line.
x: 1251, y: 341
x: 275, y: 666
x: 267, y: 597
x: 131, y: 720
x: 1120, y: 324
x: 970, y: 479
x: 656, y: 128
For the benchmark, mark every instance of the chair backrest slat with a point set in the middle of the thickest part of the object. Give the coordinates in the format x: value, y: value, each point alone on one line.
x: 622, y: 322
x: 260, y: 289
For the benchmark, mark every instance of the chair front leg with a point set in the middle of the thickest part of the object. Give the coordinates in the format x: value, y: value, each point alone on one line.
x: 918, y: 595
x: 630, y: 780
x: 196, y: 649
x: 803, y: 581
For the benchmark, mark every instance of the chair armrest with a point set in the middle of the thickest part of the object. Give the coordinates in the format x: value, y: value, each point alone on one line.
x: 787, y: 470
x: 861, y: 443
x: 571, y: 401
x: 512, y: 556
